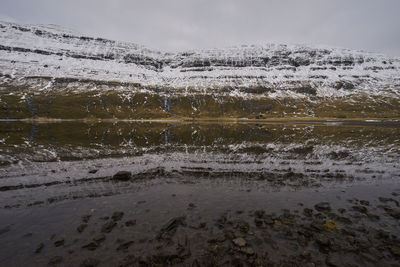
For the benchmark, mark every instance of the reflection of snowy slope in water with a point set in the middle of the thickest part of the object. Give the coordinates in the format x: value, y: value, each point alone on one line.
x: 281, y: 169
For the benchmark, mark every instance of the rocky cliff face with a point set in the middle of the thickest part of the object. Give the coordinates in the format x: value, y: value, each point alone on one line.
x: 45, y: 60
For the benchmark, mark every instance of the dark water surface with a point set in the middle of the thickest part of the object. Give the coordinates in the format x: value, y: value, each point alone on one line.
x: 196, y: 191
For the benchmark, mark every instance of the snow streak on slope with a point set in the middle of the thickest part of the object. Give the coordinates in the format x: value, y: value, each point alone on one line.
x: 268, y: 70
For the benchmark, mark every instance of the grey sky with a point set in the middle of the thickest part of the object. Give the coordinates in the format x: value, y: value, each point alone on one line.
x: 372, y: 25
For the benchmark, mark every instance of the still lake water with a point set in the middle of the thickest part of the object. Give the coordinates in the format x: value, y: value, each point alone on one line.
x: 57, y: 177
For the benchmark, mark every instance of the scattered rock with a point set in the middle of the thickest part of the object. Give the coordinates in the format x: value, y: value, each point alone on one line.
x: 93, y: 171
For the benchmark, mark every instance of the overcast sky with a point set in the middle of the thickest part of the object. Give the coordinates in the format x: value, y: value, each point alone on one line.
x: 371, y: 25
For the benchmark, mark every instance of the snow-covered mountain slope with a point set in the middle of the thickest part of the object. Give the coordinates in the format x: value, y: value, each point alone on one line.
x: 263, y: 70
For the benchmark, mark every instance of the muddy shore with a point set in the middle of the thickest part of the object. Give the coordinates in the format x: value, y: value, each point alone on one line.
x: 199, y: 195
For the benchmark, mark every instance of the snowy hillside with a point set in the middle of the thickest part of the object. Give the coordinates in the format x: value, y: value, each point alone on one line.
x: 276, y: 70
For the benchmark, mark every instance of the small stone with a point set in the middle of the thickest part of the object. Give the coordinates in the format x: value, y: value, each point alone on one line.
x: 93, y: 171
x: 86, y: 218
x: 323, y: 206
x: 247, y: 250
x: 59, y: 242
x: 5, y: 230
x: 125, y: 246
x: 91, y: 246
x: 240, y: 242
x: 117, y: 215
x: 268, y: 220
x: 341, y: 210
x: 100, y: 238
x: 368, y: 257
x: 259, y: 214
x: 81, y: 227
x: 27, y: 235
x: 122, y: 176
x: 322, y: 240
x: 333, y: 261
x: 170, y: 227
x: 39, y: 248
x: 107, y: 227
x: 331, y: 226
x: 217, y: 238
x: 361, y: 209
x: 258, y: 222
x: 395, y: 251
x: 55, y: 260
x: 90, y: 262
x: 130, y: 223
x: 307, y: 212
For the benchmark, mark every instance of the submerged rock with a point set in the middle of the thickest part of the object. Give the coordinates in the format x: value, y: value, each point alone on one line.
x: 361, y: 209
x: 125, y: 246
x: 170, y: 227
x: 107, y: 227
x: 55, y: 260
x: 247, y: 250
x: 91, y: 246
x: 81, y: 227
x: 122, y: 176
x: 117, y: 215
x: 323, y: 207
x: 39, y: 248
x: 90, y: 262
x: 100, y: 238
x: 86, y: 218
x: 59, y: 242
x: 130, y: 223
